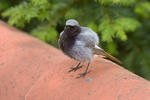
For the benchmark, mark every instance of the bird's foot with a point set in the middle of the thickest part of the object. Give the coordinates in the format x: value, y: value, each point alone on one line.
x: 83, y: 74
x: 75, y: 68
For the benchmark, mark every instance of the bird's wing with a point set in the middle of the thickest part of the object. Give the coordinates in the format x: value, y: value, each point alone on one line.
x: 60, y: 40
x: 88, y: 37
x: 99, y: 51
x: 61, y: 33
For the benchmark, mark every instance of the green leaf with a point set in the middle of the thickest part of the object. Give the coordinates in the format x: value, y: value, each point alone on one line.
x: 72, y: 13
x: 120, y: 33
x: 122, y: 2
x: 44, y: 14
x: 16, y: 15
x: 93, y: 26
x: 45, y: 33
x: 39, y: 2
x: 107, y: 30
x: 128, y: 24
x: 143, y: 9
x: 112, y: 48
x: 30, y: 13
x: 52, y: 35
x: 4, y: 4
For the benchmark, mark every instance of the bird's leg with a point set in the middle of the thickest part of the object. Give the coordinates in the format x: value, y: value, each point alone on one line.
x: 75, y: 68
x: 86, y: 71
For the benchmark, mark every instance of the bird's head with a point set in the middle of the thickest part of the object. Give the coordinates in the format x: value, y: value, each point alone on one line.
x: 72, y: 28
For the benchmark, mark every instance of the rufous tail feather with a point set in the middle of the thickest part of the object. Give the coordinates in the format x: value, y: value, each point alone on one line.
x: 111, y: 57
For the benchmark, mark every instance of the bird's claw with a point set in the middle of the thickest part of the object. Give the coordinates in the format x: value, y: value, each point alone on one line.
x: 75, y: 68
x: 83, y: 74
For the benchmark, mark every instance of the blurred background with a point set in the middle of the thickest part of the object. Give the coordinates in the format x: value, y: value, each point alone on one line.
x: 122, y: 25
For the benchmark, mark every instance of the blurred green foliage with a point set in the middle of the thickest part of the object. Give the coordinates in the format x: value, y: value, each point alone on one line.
x: 123, y: 25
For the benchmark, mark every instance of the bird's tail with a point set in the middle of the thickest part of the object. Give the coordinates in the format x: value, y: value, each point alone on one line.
x: 99, y: 51
x: 111, y: 57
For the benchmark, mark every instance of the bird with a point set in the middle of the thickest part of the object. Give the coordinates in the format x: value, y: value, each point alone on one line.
x: 81, y: 43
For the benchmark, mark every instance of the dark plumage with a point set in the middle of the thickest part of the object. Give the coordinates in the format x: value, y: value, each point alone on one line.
x: 81, y: 44
x: 67, y: 39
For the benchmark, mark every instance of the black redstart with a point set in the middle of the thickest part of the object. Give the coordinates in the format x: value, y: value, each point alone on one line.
x: 81, y: 44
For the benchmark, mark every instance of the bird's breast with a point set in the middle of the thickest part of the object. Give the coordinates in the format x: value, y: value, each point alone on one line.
x: 67, y: 44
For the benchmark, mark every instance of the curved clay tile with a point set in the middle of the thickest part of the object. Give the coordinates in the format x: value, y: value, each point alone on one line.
x: 33, y: 70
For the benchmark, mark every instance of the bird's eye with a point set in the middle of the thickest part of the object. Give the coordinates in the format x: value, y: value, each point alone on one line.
x: 71, y: 26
